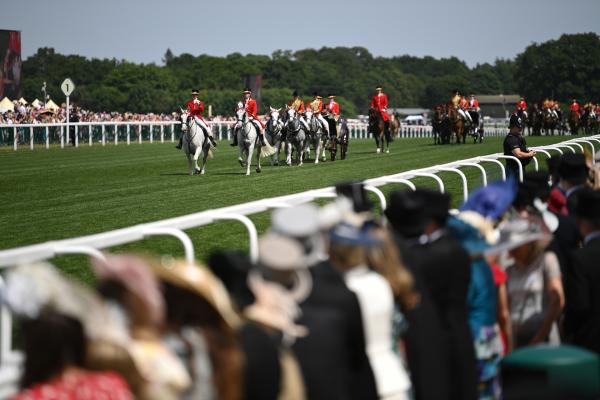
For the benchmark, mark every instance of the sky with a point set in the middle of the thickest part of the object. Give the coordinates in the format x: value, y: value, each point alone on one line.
x: 476, y: 31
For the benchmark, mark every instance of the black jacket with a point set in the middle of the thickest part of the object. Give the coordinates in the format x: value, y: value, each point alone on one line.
x: 439, y: 342
x: 332, y: 357
x: 585, y: 306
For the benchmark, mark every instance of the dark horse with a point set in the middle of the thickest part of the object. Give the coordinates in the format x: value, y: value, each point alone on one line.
x: 574, y: 122
x: 377, y: 129
x: 457, y: 125
x: 440, y: 126
x: 550, y: 122
x: 535, y: 120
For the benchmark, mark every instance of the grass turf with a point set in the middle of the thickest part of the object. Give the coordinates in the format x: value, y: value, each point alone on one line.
x: 62, y: 193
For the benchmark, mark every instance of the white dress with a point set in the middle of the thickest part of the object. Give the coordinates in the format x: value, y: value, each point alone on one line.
x: 377, y: 306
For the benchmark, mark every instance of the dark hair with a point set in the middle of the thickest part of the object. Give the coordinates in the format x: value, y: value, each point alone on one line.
x: 52, y: 342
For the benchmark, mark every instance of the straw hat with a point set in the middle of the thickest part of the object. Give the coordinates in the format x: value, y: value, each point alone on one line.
x: 518, y: 232
x: 201, y: 281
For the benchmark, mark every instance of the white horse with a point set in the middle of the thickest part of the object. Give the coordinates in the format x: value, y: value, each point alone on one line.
x: 246, y: 136
x: 317, y: 136
x: 195, y: 141
x: 295, y: 137
x: 274, y: 132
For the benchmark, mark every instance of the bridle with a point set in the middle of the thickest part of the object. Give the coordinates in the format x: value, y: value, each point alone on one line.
x: 189, y: 127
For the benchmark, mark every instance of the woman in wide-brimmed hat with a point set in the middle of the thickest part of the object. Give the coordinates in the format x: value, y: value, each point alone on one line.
x: 534, y: 284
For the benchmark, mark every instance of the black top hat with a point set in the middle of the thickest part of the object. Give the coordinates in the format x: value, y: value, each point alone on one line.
x: 295, y: 93
x: 406, y: 214
x: 436, y: 204
x: 356, y: 192
x: 247, y: 90
x: 232, y: 269
x: 587, y: 206
x: 572, y: 166
x: 194, y: 92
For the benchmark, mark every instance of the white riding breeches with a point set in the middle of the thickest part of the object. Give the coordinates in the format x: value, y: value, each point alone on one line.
x: 323, y: 122
x: 465, y: 115
x: 204, y: 125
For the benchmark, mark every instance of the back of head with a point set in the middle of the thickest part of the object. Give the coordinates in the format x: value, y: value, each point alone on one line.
x: 573, y: 169
x: 52, y: 342
x: 406, y: 214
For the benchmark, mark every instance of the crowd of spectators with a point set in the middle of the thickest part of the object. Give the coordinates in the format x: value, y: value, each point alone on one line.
x: 419, y: 303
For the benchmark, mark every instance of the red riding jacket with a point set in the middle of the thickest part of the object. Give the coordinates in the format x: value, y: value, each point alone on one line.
x: 380, y: 103
x: 195, y: 108
x: 252, y: 109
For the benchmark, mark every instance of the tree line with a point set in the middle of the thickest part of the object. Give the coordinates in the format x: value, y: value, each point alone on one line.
x: 562, y: 68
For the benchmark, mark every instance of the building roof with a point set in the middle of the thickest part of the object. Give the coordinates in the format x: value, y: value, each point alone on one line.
x: 498, y: 99
x: 409, y: 111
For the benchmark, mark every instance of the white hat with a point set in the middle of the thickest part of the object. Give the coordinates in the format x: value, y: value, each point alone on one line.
x: 518, y: 232
x: 280, y: 253
x: 297, y: 222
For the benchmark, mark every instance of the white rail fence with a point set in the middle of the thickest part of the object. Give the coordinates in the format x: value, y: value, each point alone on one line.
x: 11, y: 360
x: 150, y: 131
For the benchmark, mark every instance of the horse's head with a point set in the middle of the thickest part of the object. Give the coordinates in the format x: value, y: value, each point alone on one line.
x: 309, y: 113
x: 275, y: 114
x: 240, y: 112
x: 184, y: 118
x: 291, y: 113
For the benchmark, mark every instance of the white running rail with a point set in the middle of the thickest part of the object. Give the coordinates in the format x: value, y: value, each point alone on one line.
x: 11, y: 360
x: 102, y: 133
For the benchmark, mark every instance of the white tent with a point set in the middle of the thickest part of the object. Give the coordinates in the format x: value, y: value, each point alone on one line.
x: 50, y: 105
x: 22, y: 101
x: 6, y: 105
x: 36, y: 103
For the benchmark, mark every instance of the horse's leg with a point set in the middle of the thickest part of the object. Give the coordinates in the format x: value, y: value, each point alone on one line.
x: 190, y: 163
x: 318, y: 149
x: 288, y: 153
x: 250, y: 154
x: 258, y: 166
x: 196, y: 156
x: 300, y: 154
x: 241, y: 152
x: 204, y: 158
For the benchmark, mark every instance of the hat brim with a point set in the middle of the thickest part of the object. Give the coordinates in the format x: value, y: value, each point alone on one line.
x: 511, y: 245
x: 201, y: 281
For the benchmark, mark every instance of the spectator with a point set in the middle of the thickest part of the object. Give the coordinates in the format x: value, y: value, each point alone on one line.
x: 57, y: 327
x: 585, y: 307
x: 534, y: 283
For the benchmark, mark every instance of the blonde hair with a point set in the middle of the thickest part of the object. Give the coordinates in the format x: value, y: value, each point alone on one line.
x: 387, y: 261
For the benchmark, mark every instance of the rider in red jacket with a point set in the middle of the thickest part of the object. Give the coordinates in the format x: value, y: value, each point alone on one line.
x: 252, y: 110
x: 195, y: 108
x: 380, y: 103
x: 575, y: 107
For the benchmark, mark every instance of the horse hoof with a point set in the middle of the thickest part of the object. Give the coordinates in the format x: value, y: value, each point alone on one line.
x: 242, y: 163
x: 387, y: 151
x: 378, y: 151
x: 258, y: 170
x: 202, y: 172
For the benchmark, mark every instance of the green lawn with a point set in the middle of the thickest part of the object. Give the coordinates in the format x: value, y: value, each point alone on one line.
x: 62, y: 193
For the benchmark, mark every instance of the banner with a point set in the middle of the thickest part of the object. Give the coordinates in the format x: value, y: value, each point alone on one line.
x: 10, y: 64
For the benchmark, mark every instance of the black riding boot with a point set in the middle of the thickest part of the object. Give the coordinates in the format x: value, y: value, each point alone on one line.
x: 180, y: 143
x: 235, y: 143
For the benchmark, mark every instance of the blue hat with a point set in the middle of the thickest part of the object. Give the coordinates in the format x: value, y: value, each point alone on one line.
x: 469, y: 236
x: 352, y: 235
x: 494, y: 199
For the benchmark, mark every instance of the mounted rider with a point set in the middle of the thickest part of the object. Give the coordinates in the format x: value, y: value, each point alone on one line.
x: 460, y: 105
x: 549, y: 107
x: 474, y: 110
x: 297, y: 104
x: 251, y: 108
x: 317, y: 106
x: 380, y: 103
x: 575, y: 107
x: 522, y: 107
x: 195, y: 108
x: 333, y: 109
